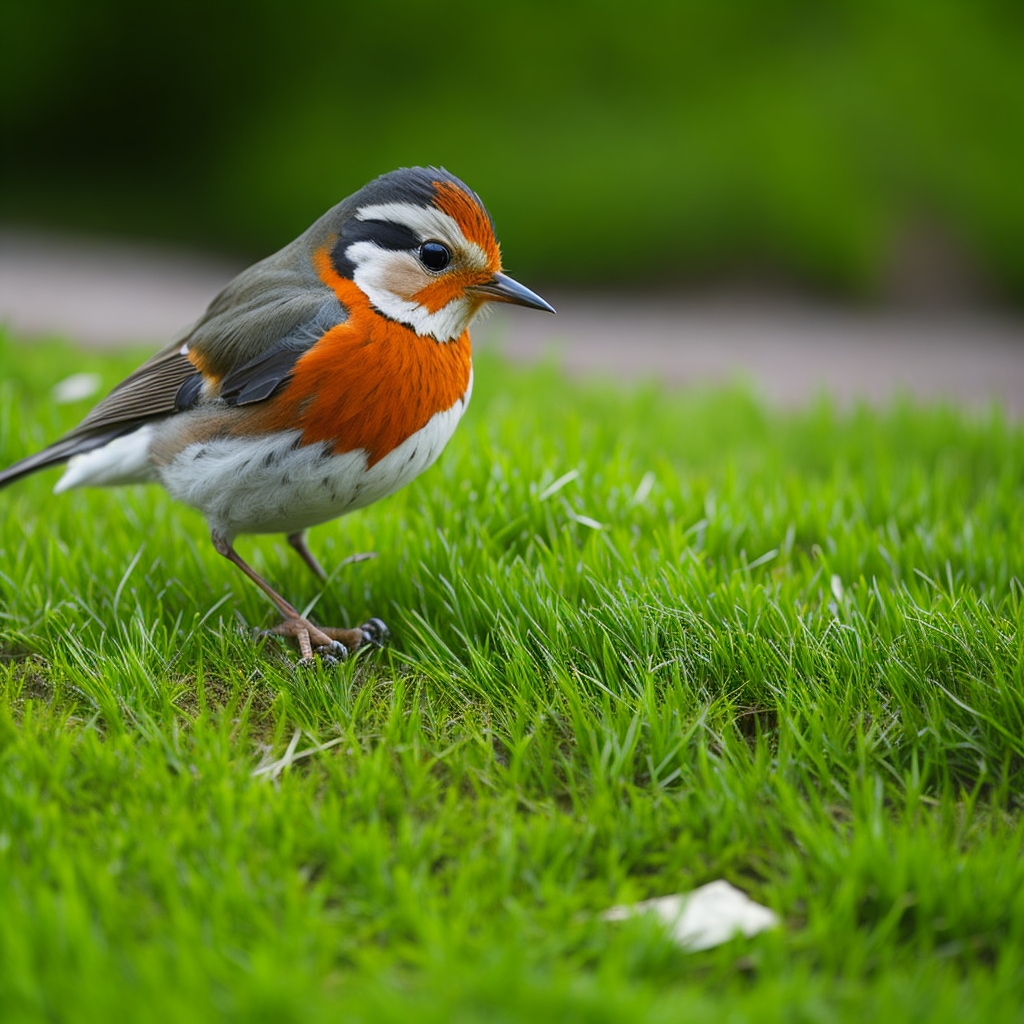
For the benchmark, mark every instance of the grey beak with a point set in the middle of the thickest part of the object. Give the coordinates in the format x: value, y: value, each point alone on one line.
x: 501, y: 288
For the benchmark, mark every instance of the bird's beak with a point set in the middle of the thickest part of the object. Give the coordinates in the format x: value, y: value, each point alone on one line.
x: 501, y: 288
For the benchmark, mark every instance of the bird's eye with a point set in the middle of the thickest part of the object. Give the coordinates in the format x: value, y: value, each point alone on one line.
x: 435, y: 256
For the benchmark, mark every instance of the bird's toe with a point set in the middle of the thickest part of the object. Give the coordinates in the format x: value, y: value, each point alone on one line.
x: 333, y: 652
x: 375, y: 633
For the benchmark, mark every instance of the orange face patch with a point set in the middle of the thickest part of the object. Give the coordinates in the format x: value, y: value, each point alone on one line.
x: 471, y: 218
x: 439, y: 293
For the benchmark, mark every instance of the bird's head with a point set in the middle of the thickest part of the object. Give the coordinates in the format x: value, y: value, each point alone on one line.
x: 421, y: 246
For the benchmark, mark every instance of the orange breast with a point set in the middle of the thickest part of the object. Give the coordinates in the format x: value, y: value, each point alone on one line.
x: 369, y: 383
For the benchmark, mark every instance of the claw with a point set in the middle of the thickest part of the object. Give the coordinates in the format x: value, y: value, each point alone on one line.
x: 375, y: 633
x: 335, y: 650
x: 328, y: 655
x: 330, y: 645
x: 328, y: 642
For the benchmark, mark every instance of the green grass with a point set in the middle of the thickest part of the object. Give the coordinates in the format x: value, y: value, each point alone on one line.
x: 790, y: 656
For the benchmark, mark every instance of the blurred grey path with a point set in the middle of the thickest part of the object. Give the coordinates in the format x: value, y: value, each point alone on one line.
x: 107, y: 294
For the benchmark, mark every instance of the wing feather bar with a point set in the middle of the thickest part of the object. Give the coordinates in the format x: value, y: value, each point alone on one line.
x: 258, y: 379
x: 152, y: 390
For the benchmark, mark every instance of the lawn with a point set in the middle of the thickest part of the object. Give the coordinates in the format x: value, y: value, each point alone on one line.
x: 642, y: 640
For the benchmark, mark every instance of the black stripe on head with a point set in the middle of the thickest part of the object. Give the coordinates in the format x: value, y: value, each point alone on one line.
x: 414, y: 185
x: 383, y: 233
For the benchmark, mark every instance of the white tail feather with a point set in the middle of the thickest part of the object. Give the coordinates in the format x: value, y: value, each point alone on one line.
x: 125, y: 460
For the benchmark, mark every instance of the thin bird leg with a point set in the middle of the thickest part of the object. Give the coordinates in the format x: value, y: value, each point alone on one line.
x: 331, y: 641
x: 298, y: 542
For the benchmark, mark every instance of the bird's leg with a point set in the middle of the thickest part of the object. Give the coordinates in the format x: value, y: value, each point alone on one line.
x: 298, y: 542
x: 332, y: 641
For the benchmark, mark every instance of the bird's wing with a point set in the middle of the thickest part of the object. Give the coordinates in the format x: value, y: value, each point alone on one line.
x: 149, y: 392
x: 254, y: 329
x: 247, y: 341
x: 261, y: 376
x: 259, y: 308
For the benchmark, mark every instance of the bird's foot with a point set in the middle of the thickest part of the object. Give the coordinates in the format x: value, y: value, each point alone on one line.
x: 329, y: 643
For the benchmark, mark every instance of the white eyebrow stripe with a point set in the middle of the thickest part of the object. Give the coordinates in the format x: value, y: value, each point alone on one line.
x: 427, y: 222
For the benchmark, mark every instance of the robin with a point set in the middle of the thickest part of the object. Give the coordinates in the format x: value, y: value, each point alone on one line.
x: 322, y: 379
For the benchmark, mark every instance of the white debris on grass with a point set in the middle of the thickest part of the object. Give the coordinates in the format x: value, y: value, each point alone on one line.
x: 272, y: 769
x: 557, y: 485
x: 644, y: 488
x: 75, y: 388
x: 705, y: 917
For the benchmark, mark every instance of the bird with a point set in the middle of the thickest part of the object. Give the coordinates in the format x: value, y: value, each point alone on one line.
x: 320, y: 380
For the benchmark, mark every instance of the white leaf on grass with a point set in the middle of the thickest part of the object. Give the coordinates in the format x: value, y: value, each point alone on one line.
x: 273, y: 769
x: 705, y: 917
x: 554, y: 488
x: 644, y: 488
x: 75, y: 388
x: 593, y: 524
x: 764, y: 559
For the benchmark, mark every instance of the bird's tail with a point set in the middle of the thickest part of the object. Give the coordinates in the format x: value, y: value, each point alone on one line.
x: 47, y: 457
x: 58, y: 452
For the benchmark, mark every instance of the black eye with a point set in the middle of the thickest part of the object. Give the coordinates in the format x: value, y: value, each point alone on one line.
x: 435, y: 256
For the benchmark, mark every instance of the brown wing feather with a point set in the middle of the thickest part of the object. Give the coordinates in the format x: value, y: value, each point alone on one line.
x: 150, y: 391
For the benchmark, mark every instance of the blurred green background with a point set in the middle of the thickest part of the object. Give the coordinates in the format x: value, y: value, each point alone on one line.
x: 835, y: 147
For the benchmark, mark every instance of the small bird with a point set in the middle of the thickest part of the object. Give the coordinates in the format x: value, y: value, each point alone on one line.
x: 321, y: 379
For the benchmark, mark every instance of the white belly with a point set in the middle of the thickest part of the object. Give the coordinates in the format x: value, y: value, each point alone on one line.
x: 245, y: 485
